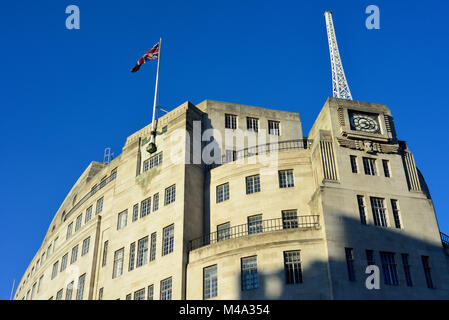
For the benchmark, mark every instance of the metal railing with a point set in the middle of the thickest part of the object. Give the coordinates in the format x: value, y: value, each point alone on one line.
x: 444, y: 239
x: 262, y: 226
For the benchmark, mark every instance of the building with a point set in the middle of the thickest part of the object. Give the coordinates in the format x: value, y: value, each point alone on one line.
x: 237, y: 204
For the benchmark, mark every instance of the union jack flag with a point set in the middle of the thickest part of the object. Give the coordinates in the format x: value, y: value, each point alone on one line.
x: 151, y: 54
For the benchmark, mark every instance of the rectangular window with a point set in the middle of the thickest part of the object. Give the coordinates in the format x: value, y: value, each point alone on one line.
x: 68, y: 291
x: 166, y: 286
x: 118, y: 263
x: 354, y: 164
x: 128, y: 297
x: 103, y: 182
x: 122, y: 219
x: 132, y: 256
x: 252, y: 124
x: 79, y: 221
x: 152, y: 162
x: 170, y: 194
x: 139, y: 294
x: 292, y: 267
x: 54, y: 272
x: 408, y: 274
x: 230, y: 121
x: 59, y: 294
x: 370, y: 257
x: 231, y: 155
x: 113, y: 174
x: 250, y: 279
x: 74, y: 256
x: 105, y: 253
x: 396, y: 216
x: 153, y: 246
x: 386, y: 165
x: 48, y: 253
x: 88, y: 215
x: 369, y: 165
x: 99, y: 207
x: 255, y: 224
x: 427, y: 273
x: 223, y: 231
x: 33, y: 291
x: 210, y: 283
x: 85, y: 248
x: 350, y: 263
x: 150, y: 295
x: 273, y: 128
x: 286, y: 179
x: 145, y: 207
x: 135, y: 212
x: 389, y: 268
x: 222, y: 192
x: 80, y: 291
x: 142, y: 252
x: 156, y: 201
x: 69, y: 230
x: 168, y: 239
x: 252, y: 184
x: 362, y: 211
x: 289, y: 219
x: 100, y: 294
x: 40, y: 283
x: 64, y: 260
x: 379, y: 212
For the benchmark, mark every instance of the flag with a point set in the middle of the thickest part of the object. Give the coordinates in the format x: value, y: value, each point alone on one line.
x: 151, y: 54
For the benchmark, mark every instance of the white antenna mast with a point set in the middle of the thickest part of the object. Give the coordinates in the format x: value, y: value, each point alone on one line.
x: 340, y: 86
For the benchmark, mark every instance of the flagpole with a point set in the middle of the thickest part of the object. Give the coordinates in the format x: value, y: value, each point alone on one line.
x: 153, y: 132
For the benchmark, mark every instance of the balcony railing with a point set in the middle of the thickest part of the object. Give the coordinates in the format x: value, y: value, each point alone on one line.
x: 262, y: 226
x: 445, y: 239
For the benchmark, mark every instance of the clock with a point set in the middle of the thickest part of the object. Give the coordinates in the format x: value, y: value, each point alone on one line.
x: 365, y: 122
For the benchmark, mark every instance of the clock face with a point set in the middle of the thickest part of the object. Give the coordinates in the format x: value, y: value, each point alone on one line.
x: 365, y: 122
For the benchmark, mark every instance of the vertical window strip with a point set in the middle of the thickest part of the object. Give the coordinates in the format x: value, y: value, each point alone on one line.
x: 105, y: 253
x: 118, y: 263
x: 142, y: 252
x: 145, y: 207
x: 362, y: 211
x: 132, y: 256
x: 292, y: 267
x: 350, y: 263
x: 386, y: 166
x: 170, y: 194
x: 135, y: 212
x: 249, y: 276
x: 210, y: 283
x: 80, y: 291
x: 427, y: 273
x: 168, y: 240
x: 153, y: 246
x: 85, y: 248
x: 354, y: 164
x: 156, y: 201
x: 407, y: 272
x: 396, y: 216
x: 389, y: 268
x: 150, y: 295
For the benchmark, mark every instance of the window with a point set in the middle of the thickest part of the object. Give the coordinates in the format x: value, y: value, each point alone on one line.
x: 168, y: 239
x: 64, y: 261
x: 145, y: 207
x: 85, y: 248
x: 99, y: 207
x: 152, y: 162
x: 55, y: 246
x: 100, y: 294
x: 396, y: 216
x: 350, y: 263
x: 59, y: 294
x: 370, y: 257
x: 135, y: 212
x: 139, y: 294
x: 369, y: 165
x: 286, y: 179
x: 48, y: 253
x: 74, y: 256
x: 210, y: 286
x: 389, y: 268
x: 122, y: 219
x: 354, y: 164
x: 69, y: 230
x: 166, y: 286
x: 103, y: 182
x: 255, y: 224
x: 252, y: 124
x: 408, y: 274
x: 88, y: 215
x: 289, y: 219
x: 223, y: 192
x: 249, y: 275
x: 292, y: 267
x: 113, y: 174
x: 142, y: 252
x: 79, y: 220
x: 40, y: 283
x: 80, y: 291
x: 230, y: 121
x: 33, y: 291
x: 132, y: 256
x: 150, y: 295
x: 426, y: 266
x: 252, y: 184
x: 223, y: 231
x: 153, y: 246
x: 362, y: 212
x: 386, y: 165
x: 118, y: 263
x: 68, y: 291
x: 170, y: 194
x: 105, y: 253
x: 54, y: 272
x: 156, y: 201
x: 379, y: 212
x: 273, y: 128
x: 231, y: 155
x: 128, y: 297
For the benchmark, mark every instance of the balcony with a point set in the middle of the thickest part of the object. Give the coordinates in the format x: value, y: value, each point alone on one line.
x: 263, y: 226
x: 445, y: 240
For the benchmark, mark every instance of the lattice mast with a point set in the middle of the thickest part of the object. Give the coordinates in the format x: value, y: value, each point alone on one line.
x: 340, y: 86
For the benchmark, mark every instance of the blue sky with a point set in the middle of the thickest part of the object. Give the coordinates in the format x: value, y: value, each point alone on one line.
x: 65, y: 95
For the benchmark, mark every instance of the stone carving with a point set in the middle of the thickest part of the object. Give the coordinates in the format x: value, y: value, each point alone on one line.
x: 368, y: 146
